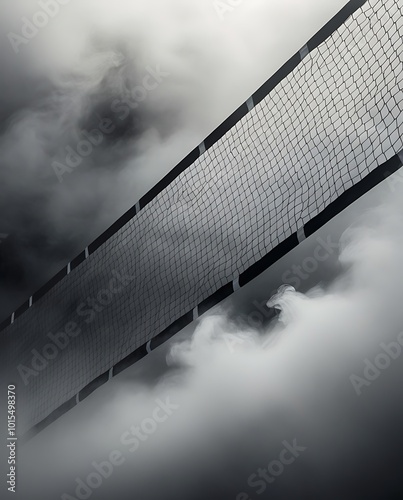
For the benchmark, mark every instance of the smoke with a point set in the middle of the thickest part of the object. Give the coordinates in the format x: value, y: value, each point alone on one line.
x: 77, y: 75
x: 323, y: 378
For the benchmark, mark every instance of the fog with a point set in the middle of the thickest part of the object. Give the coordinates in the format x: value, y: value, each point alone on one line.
x: 322, y: 378
x: 192, y: 64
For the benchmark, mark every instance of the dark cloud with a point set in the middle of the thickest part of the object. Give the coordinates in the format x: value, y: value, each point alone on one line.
x: 241, y: 393
x: 81, y: 68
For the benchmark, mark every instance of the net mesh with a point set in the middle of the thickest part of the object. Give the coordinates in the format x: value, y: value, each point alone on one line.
x: 324, y: 127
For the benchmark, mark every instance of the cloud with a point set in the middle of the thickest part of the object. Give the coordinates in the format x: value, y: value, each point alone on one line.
x: 239, y: 393
x: 77, y: 69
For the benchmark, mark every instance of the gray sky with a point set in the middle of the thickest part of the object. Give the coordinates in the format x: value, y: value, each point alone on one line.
x: 229, y: 423
x: 76, y: 70
x: 237, y: 402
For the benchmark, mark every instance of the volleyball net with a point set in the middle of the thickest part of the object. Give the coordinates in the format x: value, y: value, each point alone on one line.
x: 321, y: 132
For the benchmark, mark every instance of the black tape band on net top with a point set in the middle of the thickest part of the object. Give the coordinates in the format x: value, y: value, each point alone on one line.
x: 321, y: 132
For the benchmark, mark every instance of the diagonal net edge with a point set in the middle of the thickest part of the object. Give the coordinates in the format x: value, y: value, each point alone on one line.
x: 338, y: 20
x: 350, y: 195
